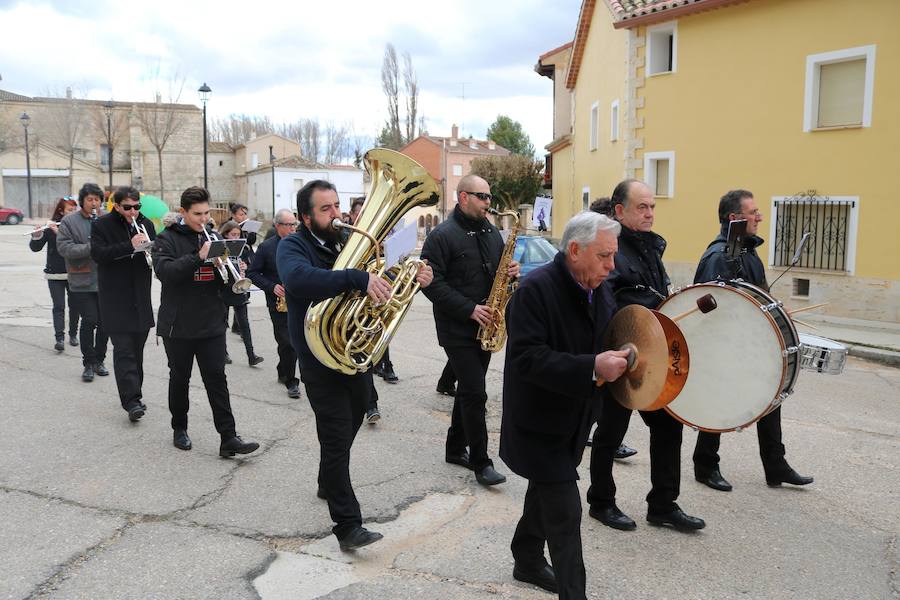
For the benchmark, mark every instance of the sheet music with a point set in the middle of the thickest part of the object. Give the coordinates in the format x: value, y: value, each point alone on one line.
x: 399, y: 245
x: 251, y: 226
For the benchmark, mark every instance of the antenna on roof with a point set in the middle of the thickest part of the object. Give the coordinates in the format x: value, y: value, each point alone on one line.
x: 463, y: 98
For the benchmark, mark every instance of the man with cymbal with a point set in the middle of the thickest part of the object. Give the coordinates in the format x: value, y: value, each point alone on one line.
x: 638, y: 278
x: 716, y: 264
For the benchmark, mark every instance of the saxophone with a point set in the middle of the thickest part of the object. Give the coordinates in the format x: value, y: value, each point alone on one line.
x: 493, y: 335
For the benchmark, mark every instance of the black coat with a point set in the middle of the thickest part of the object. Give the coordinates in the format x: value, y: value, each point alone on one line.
x: 715, y: 264
x: 464, y: 255
x: 305, y: 268
x: 640, y: 276
x: 55, y: 264
x: 549, y: 392
x: 263, y: 272
x: 123, y: 278
x: 190, y: 302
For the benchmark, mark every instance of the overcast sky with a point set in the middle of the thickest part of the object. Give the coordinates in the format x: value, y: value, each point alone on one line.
x: 292, y: 60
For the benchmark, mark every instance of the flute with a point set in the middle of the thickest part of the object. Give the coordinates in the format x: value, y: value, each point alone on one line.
x: 47, y: 226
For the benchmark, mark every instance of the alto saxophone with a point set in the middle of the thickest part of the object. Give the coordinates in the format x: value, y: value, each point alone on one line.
x: 493, y: 335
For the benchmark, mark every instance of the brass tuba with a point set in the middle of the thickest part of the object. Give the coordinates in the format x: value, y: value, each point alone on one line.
x: 493, y: 335
x: 349, y: 333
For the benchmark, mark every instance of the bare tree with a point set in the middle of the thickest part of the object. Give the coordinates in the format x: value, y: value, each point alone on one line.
x: 337, y: 143
x: 64, y: 125
x: 310, y: 139
x: 118, y: 124
x: 391, y: 135
x: 411, y: 85
x: 235, y: 130
x: 159, y: 123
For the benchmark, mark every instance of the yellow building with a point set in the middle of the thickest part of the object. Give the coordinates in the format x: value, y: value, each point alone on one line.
x: 795, y: 100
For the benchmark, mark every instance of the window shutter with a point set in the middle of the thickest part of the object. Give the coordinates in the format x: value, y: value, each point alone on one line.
x: 841, y: 90
x: 662, y: 177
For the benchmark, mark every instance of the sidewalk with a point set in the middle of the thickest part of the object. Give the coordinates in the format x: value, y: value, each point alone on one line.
x: 873, y: 340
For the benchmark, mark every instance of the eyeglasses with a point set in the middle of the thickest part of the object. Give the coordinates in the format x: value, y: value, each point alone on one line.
x: 481, y: 195
x: 291, y: 225
x: 131, y: 206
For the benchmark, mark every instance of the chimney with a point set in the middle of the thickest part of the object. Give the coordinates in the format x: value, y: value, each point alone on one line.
x: 454, y: 132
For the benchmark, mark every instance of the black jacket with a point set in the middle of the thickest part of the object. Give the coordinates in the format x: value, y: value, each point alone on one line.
x: 263, y: 272
x: 549, y: 392
x: 56, y: 264
x: 123, y: 277
x: 304, y: 266
x: 640, y: 276
x: 715, y: 265
x: 190, y: 302
x: 464, y: 255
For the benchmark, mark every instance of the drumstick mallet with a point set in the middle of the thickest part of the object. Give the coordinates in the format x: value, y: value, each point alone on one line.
x: 705, y: 304
x: 806, y: 308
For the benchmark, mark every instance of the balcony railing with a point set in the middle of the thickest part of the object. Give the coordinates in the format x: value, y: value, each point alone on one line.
x: 828, y: 222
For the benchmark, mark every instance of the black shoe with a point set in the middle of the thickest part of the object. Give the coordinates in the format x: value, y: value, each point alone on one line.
x: 236, y: 446
x: 88, y: 373
x: 73, y: 340
x: 377, y: 370
x: 320, y: 494
x: 255, y: 360
x: 792, y: 477
x: 59, y: 346
x: 282, y: 379
x: 611, y: 516
x: 489, y: 476
x: 459, y: 459
x: 227, y: 359
x: 101, y: 370
x: 136, y: 412
x: 677, y: 519
x: 714, y: 480
x: 387, y: 372
x: 181, y: 440
x: 544, y: 578
x: 623, y: 452
x: 294, y: 391
x: 235, y: 330
x: 357, y: 538
x: 372, y: 416
x: 447, y: 390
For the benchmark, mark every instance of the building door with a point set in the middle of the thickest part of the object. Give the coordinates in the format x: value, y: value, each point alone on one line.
x: 45, y: 191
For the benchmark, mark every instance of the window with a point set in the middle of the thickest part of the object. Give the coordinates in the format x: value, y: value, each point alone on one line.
x: 839, y: 88
x: 104, y: 155
x: 614, y: 120
x: 800, y: 288
x: 831, y: 222
x: 221, y: 162
x: 298, y: 183
x: 254, y: 160
x: 595, y: 117
x: 662, y: 48
x: 585, y: 198
x: 659, y: 173
x: 457, y: 170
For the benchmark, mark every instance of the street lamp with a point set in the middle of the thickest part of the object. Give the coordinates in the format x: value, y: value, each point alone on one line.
x: 26, y: 121
x: 272, y: 162
x: 204, y: 96
x: 108, y: 108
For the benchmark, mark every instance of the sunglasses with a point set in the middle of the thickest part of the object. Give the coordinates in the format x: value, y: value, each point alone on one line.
x: 481, y: 195
x: 291, y: 225
x: 130, y: 206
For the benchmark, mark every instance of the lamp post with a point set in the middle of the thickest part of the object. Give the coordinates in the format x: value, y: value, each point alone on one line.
x: 108, y: 108
x: 204, y: 96
x: 272, y: 162
x: 26, y: 121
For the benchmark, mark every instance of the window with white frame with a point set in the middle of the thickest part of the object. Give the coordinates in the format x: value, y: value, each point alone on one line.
x: 585, y: 197
x: 659, y: 173
x: 662, y: 48
x: 457, y: 170
x: 254, y: 160
x: 595, y: 118
x: 614, y: 120
x: 839, y: 88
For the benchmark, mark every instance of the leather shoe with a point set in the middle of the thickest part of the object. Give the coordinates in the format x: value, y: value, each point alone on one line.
x: 59, y: 346
x: 373, y: 416
x: 447, y: 390
x: 320, y: 494
x: 255, y: 360
x: 236, y: 446
x: 181, y: 440
x: 459, y: 459
x: 677, y: 519
x: 611, y: 516
x: 378, y: 370
x: 544, y: 577
x: 136, y: 412
x: 357, y: 538
x: 387, y: 372
x: 73, y: 340
x: 88, y: 373
x: 294, y: 391
x: 489, y: 476
x: 624, y: 451
x: 792, y: 477
x: 101, y: 370
x: 714, y: 480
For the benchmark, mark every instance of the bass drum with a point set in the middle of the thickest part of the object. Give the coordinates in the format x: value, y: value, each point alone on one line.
x: 744, y: 359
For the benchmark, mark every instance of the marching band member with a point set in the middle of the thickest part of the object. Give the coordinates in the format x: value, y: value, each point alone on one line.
x: 232, y: 231
x: 192, y: 324
x: 124, y: 281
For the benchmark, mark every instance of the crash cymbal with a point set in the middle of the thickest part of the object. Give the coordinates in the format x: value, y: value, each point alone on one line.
x: 641, y: 385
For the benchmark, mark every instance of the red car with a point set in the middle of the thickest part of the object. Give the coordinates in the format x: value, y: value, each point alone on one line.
x: 11, y: 216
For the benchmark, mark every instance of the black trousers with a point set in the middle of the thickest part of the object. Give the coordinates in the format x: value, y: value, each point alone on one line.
x: 243, y: 321
x: 210, y: 354
x: 771, y: 450
x: 93, y: 338
x: 287, y: 358
x: 552, y: 514
x: 128, y: 364
x: 467, y: 424
x: 665, y: 456
x: 59, y: 289
x: 448, y: 377
x: 339, y: 403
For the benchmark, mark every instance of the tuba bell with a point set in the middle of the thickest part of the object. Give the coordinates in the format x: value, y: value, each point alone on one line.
x: 349, y: 333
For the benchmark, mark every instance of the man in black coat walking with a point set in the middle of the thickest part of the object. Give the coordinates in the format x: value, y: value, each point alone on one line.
x: 554, y: 359
x: 714, y: 265
x: 124, y: 281
x: 464, y: 252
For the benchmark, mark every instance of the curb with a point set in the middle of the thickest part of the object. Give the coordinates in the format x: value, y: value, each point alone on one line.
x: 885, y: 357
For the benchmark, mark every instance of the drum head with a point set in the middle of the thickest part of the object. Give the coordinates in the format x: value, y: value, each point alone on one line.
x: 737, y: 365
x: 807, y: 339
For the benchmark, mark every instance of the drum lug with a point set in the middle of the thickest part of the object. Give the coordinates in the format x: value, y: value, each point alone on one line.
x: 790, y: 350
x: 738, y: 429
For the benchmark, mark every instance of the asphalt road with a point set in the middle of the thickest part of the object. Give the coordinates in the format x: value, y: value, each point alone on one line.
x: 92, y: 506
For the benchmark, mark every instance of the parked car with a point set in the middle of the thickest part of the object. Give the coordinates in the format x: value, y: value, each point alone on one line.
x: 11, y: 216
x: 531, y: 252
